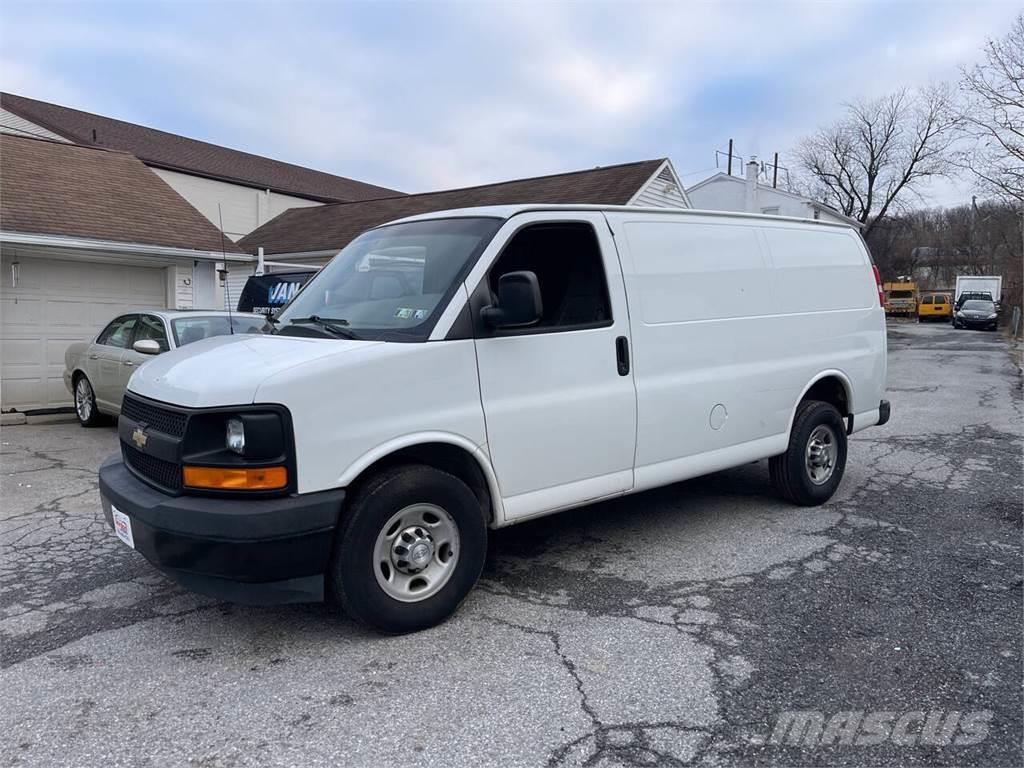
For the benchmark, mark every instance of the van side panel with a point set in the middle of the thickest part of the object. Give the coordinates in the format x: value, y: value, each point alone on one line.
x: 731, y: 322
x: 818, y: 271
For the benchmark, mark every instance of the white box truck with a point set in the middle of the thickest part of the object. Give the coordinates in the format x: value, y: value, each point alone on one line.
x: 992, y: 284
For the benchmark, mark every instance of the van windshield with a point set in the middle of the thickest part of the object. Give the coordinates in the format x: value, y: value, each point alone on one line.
x: 390, y: 282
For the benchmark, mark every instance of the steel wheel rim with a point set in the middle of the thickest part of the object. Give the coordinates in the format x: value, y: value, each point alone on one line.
x: 822, y: 453
x: 416, y: 552
x: 83, y: 399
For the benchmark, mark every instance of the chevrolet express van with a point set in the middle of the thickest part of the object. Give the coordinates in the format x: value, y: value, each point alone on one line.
x: 471, y: 369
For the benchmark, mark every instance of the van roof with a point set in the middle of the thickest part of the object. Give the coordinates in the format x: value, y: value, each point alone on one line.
x: 507, y: 211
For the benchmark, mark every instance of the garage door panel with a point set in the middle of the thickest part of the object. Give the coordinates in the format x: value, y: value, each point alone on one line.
x: 17, y: 390
x: 26, y: 312
x: 57, y: 394
x: 57, y: 303
x: 56, y: 347
x: 19, y: 352
x: 68, y: 312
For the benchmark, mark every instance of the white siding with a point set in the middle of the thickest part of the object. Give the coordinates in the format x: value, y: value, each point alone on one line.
x: 19, y: 126
x: 719, y: 195
x: 179, y: 287
x: 238, y: 274
x: 728, y: 193
x: 663, y: 191
x: 243, y: 208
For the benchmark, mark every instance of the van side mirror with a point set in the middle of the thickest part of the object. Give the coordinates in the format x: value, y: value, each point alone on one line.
x: 146, y: 347
x: 519, y: 301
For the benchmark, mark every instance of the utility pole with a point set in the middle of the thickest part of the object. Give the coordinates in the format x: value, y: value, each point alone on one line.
x: 730, y: 157
x: 775, y: 172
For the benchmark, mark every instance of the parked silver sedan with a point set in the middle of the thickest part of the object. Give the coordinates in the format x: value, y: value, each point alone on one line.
x: 96, y: 372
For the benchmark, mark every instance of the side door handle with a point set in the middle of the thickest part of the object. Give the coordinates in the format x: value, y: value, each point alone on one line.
x: 127, y: 362
x: 622, y: 355
x: 94, y: 357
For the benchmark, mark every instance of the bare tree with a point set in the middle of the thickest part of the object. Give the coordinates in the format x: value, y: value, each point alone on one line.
x: 993, y: 115
x: 878, y: 154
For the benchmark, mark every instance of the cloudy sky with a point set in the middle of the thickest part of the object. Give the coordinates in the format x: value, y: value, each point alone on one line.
x: 428, y: 95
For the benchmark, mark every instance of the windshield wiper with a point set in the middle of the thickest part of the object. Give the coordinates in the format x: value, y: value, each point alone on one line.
x: 335, y: 325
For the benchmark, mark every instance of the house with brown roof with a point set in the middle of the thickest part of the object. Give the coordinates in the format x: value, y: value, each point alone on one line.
x: 85, y: 234
x: 314, y: 235
x: 101, y: 215
x: 242, y: 189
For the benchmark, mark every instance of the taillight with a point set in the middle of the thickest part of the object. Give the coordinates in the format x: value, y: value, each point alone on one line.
x: 878, y: 285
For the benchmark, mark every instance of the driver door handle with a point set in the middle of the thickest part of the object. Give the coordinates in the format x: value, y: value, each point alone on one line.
x: 622, y: 355
x: 127, y: 362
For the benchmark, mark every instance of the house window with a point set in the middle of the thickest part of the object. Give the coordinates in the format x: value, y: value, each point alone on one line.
x: 772, y: 211
x: 817, y: 214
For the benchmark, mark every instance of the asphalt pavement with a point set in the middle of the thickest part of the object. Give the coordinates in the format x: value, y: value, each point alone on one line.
x: 706, y: 623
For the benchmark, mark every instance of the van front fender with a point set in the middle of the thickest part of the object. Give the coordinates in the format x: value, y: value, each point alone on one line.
x: 478, y: 452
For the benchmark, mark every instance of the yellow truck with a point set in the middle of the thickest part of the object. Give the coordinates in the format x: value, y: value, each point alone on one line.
x: 900, y: 298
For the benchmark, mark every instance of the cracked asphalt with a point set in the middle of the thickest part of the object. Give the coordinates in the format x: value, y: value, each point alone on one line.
x: 669, y: 628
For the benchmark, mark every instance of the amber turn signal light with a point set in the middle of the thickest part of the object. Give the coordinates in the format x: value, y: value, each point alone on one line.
x: 230, y: 479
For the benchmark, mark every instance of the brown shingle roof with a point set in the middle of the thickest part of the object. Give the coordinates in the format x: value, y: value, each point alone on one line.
x: 333, y: 226
x: 52, y: 188
x: 168, y: 150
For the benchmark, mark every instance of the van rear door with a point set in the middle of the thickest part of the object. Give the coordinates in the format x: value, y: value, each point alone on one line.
x: 558, y: 396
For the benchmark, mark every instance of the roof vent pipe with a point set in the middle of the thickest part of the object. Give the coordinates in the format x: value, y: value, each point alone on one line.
x: 750, y: 193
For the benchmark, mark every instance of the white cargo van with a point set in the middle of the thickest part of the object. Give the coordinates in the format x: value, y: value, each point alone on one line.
x: 471, y: 369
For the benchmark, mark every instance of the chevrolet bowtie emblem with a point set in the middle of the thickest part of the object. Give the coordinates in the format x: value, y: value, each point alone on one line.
x: 139, y: 437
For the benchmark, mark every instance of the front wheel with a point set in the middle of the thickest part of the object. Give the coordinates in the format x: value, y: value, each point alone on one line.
x: 409, y: 549
x: 85, y: 404
x: 812, y: 467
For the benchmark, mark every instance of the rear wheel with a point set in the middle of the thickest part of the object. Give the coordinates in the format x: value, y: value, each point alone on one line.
x: 409, y: 549
x: 85, y: 404
x: 812, y: 467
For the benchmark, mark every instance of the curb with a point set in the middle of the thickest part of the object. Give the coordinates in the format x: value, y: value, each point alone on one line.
x: 11, y: 419
x: 51, y: 418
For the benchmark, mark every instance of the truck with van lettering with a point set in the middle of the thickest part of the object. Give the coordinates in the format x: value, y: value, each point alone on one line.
x: 460, y: 371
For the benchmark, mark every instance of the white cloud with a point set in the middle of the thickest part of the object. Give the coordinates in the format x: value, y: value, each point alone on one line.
x: 422, y: 97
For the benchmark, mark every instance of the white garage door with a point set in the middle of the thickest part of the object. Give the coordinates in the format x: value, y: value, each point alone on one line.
x: 55, y: 303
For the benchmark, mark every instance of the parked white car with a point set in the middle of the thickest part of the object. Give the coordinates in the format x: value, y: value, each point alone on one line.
x: 524, y: 360
x: 96, y: 372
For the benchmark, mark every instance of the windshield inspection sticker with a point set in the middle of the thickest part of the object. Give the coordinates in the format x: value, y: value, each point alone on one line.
x: 404, y: 313
x: 419, y: 314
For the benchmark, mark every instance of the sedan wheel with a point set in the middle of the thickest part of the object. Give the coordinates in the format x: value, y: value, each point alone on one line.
x: 85, y: 404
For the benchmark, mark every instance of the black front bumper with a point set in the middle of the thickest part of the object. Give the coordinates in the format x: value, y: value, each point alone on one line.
x: 980, y: 325
x: 258, y: 551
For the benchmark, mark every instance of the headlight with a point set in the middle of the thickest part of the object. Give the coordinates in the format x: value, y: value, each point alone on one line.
x: 235, y: 436
x: 992, y: 316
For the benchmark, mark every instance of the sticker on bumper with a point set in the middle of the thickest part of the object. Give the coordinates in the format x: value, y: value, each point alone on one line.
x: 122, y: 526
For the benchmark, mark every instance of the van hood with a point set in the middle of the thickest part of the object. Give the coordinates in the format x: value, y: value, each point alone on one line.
x: 227, y: 370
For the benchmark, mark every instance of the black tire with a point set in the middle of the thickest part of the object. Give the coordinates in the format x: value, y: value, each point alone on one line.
x: 789, y: 471
x: 83, y: 391
x: 351, y: 575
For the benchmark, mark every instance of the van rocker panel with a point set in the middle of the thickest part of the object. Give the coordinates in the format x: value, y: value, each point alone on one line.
x: 258, y: 550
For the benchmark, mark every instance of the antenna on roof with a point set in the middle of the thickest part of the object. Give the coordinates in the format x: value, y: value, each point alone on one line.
x: 224, y: 272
